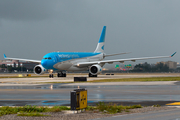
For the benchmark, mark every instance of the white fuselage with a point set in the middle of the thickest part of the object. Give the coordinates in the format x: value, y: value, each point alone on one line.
x: 69, y: 64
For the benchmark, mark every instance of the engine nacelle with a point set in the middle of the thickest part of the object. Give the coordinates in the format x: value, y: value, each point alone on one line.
x: 95, y: 69
x: 39, y: 70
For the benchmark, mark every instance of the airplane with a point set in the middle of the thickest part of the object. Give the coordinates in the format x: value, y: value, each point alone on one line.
x: 79, y: 61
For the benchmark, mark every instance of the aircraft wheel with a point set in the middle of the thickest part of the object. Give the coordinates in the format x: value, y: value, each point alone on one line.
x: 58, y: 75
x: 90, y: 75
x: 61, y: 74
x: 51, y: 76
x: 64, y: 74
x: 94, y: 75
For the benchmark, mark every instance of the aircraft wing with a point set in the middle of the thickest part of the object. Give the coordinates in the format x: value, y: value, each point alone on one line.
x: 116, y: 54
x: 82, y: 64
x: 28, y: 60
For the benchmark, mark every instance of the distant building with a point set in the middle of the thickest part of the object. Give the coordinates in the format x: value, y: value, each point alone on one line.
x: 170, y: 64
x: 16, y: 63
x: 13, y: 63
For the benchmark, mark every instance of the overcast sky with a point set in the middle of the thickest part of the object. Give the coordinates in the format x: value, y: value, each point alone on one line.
x: 32, y: 28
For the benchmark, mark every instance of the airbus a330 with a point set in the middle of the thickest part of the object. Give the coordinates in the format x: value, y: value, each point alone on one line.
x: 79, y: 61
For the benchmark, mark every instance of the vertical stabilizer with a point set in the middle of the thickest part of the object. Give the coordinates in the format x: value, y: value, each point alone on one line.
x: 100, y: 45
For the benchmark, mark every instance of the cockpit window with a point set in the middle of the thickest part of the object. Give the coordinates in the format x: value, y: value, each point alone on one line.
x: 49, y: 58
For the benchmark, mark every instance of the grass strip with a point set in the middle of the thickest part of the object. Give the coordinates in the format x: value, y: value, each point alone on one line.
x: 29, y: 110
x: 22, y: 77
x: 5, y: 110
x: 111, y: 108
x: 127, y: 80
x: 139, y: 79
x: 36, y: 114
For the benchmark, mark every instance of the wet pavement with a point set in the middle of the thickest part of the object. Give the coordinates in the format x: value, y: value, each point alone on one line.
x: 59, y: 94
x: 172, y: 114
x: 70, y: 78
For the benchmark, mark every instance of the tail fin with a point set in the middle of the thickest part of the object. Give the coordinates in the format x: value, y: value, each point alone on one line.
x: 100, y: 45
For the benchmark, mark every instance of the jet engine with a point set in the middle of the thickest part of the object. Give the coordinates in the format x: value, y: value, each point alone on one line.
x: 95, y: 69
x: 39, y: 70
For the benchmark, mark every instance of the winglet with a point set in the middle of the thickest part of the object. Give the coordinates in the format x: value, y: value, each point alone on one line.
x: 173, y: 54
x: 5, y: 56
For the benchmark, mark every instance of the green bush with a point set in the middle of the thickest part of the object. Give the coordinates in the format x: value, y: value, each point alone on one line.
x: 90, y: 108
x: 156, y: 105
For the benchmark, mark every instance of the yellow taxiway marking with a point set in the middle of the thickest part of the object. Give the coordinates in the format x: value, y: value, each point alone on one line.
x: 175, y: 103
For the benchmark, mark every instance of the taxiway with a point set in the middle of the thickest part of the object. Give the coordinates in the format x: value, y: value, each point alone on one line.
x: 37, y: 91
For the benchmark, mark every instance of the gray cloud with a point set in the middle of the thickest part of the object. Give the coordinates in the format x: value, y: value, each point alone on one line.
x: 26, y: 9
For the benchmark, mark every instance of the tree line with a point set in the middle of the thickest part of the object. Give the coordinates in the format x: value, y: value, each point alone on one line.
x: 145, y: 67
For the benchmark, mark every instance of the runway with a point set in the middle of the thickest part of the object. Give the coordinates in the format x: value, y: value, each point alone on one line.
x: 19, y: 94
x: 70, y: 78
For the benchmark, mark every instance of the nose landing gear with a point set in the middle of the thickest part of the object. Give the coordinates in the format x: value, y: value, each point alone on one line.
x: 50, y: 74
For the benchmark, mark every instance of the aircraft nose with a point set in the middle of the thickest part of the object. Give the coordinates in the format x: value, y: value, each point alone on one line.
x: 43, y: 63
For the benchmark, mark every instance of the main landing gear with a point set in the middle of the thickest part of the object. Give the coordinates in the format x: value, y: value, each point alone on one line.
x: 90, y: 75
x: 61, y: 74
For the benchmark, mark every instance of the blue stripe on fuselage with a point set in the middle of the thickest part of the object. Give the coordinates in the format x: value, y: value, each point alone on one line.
x: 62, y: 56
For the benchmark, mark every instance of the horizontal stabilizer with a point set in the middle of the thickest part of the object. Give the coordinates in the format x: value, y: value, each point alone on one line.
x: 5, y: 56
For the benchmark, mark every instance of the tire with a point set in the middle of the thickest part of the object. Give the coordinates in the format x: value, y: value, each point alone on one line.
x: 90, y: 75
x: 61, y: 74
x: 58, y: 75
x: 64, y: 75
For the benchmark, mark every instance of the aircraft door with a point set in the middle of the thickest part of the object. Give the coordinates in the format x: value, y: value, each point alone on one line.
x: 57, y: 59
